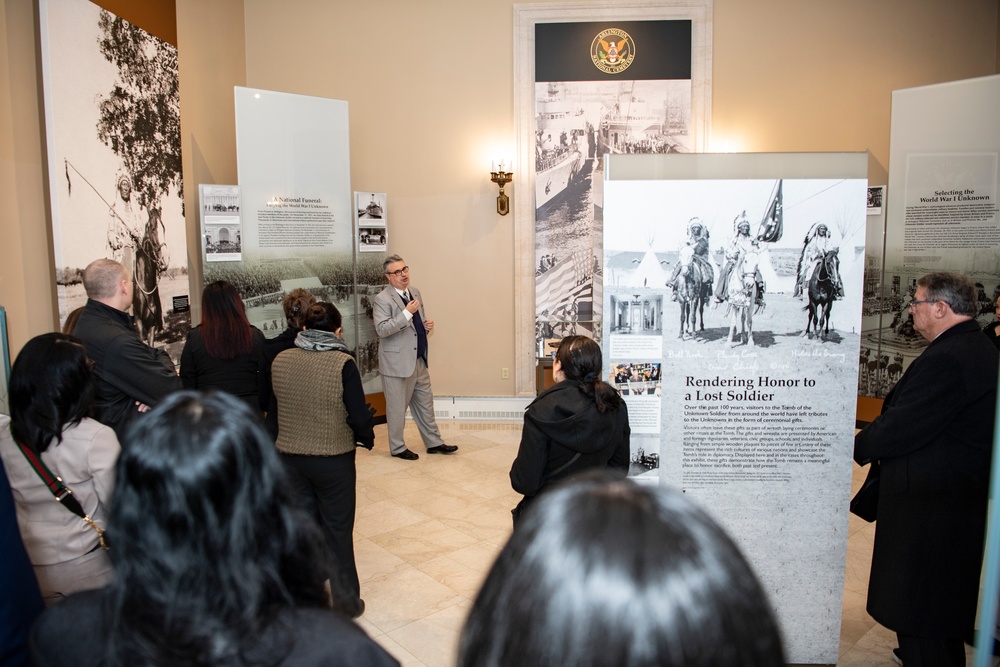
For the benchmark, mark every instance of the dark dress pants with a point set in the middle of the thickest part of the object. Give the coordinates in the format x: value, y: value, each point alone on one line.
x: 328, y: 488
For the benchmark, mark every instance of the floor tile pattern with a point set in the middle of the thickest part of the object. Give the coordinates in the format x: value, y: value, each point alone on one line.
x: 427, y: 532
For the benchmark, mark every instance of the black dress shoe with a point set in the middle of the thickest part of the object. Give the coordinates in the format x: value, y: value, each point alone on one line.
x: 443, y: 449
x: 407, y: 455
x: 359, y: 609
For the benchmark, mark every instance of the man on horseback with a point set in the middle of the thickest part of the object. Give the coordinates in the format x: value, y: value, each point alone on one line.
x: 741, y: 244
x: 698, y: 240
x: 814, y: 249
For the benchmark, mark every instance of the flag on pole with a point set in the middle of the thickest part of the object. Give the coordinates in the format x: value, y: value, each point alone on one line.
x: 772, y: 225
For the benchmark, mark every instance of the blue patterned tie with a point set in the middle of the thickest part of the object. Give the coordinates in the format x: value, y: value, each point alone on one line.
x: 418, y: 324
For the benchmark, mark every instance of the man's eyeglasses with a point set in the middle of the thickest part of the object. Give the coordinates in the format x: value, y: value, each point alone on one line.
x: 398, y: 273
x: 917, y: 302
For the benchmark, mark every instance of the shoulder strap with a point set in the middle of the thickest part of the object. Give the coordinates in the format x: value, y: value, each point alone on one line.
x: 62, y: 493
x: 53, y: 483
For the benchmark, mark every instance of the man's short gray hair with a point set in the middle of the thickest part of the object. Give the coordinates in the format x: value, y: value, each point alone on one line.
x: 391, y: 259
x: 955, y: 289
x: 101, y: 278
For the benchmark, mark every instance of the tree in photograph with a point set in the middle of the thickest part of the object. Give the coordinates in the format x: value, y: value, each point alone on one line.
x: 140, y: 122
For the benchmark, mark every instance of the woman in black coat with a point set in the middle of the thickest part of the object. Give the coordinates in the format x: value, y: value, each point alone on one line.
x: 225, y: 352
x: 580, y: 423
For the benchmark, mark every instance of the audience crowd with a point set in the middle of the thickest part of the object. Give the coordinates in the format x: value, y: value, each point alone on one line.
x: 207, y: 519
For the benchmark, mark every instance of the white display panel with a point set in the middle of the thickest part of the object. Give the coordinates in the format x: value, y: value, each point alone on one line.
x: 761, y: 435
x: 293, y: 154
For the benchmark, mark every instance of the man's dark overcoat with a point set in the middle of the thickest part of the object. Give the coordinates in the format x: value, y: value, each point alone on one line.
x: 934, y: 441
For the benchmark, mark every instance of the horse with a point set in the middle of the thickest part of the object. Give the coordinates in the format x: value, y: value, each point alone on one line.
x: 742, y: 297
x: 823, y: 291
x: 150, y: 262
x: 693, y: 292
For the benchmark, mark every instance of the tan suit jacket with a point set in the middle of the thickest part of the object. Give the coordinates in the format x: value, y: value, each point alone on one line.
x: 397, y: 349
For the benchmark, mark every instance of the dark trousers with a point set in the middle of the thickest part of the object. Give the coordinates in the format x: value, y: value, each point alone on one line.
x: 328, y: 488
x: 931, y: 651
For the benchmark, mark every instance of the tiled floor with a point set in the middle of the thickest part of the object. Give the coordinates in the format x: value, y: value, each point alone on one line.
x: 427, y: 532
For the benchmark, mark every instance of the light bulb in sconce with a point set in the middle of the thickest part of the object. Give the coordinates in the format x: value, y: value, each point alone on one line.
x: 502, y: 177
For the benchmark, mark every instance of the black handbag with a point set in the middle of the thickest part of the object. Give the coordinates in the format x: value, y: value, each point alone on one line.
x: 865, y: 502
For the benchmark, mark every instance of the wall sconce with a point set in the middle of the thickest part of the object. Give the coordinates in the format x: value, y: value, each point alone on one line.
x: 502, y: 178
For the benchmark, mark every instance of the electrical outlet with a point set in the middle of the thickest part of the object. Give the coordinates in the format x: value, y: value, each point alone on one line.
x: 505, y: 373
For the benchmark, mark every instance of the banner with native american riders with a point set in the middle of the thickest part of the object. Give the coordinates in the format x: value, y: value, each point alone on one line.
x: 112, y: 126
x: 744, y: 287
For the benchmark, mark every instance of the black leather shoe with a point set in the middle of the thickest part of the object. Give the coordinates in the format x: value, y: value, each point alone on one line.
x: 359, y: 609
x: 443, y: 449
x: 407, y: 455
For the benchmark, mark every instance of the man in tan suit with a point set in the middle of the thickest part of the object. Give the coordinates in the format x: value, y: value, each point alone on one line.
x: 402, y: 328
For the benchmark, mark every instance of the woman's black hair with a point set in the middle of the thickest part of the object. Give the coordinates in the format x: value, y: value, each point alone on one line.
x: 322, y: 316
x: 51, y: 387
x: 582, y: 362
x: 606, y: 572
x: 208, y: 542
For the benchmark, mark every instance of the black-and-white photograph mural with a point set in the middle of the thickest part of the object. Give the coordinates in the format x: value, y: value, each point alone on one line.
x: 756, y: 264
x: 112, y: 113
x: 594, y: 97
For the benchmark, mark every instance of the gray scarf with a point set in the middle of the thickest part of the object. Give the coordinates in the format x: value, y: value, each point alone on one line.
x: 320, y: 341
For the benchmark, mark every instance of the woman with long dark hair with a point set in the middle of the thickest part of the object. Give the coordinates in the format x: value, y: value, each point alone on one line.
x: 225, y: 352
x: 214, y: 562
x: 605, y: 572
x: 49, y: 432
x: 322, y: 418
x: 578, y: 424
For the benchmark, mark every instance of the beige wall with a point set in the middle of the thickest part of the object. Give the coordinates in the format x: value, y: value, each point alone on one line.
x: 211, y: 58
x: 27, y: 286
x: 430, y: 88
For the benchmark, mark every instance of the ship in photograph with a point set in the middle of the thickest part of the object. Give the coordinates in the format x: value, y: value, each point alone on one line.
x: 372, y: 210
x: 634, y: 124
x: 564, y: 147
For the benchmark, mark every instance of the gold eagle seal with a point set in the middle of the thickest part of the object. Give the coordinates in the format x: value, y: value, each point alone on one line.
x: 612, y: 50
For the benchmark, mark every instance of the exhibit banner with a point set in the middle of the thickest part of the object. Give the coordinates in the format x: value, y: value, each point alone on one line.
x: 112, y: 135
x: 591, y: 80
x: 736, y: 282
x: 942, y: 210
x: 296, y: 218
x: 586, y: 106
x: 293, y: 155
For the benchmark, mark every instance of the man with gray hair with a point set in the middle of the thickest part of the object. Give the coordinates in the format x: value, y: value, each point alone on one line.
x: 402, y: 328
x: 131, y: 376
x: 931, y: 448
